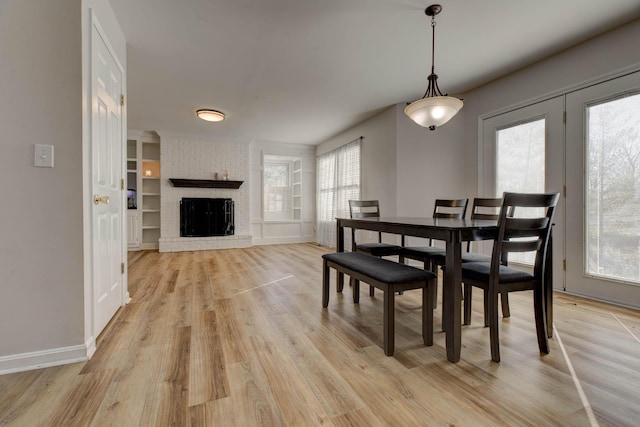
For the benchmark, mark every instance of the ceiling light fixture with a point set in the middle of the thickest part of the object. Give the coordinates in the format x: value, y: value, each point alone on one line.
x: 210, y: 115
x: 434, y: 109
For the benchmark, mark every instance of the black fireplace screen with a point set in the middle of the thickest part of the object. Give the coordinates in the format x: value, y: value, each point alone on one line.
x: 206, y: 217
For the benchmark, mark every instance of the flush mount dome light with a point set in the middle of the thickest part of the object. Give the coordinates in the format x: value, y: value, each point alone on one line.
x: 210, y: 115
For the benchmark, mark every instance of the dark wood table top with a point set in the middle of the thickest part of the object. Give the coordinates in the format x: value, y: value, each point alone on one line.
x: 435, y: 228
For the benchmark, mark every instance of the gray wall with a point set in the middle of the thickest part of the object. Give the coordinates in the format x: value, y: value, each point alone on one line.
x: 428, y: 164
x: 45, y: 318
x: 378, y: 157
x: 588, y: 62
x: 41, y: 254
x: 444, y: 163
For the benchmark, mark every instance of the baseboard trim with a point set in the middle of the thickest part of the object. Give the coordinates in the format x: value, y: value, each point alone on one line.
x: 45, y: 358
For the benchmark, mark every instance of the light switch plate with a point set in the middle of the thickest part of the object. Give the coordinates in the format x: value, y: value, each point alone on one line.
x: 43, y: 156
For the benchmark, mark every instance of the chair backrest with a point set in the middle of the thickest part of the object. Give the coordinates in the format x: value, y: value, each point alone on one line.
x: 450, y: 208
x: 524, y: 230
x: 363, y: 209
x: 485, y: 208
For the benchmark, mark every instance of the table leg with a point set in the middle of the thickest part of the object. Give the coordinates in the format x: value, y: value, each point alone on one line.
x: 452, y: 295
x: 339, y: 248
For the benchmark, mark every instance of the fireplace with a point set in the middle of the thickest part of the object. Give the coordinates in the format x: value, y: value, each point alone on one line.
x: 200, y: 217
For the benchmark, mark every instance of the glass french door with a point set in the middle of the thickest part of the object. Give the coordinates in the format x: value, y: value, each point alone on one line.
x: 523, y: 151
x: 603, y: 191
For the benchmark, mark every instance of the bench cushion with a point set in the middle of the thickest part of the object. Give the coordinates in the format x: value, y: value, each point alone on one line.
x: 381, y: 269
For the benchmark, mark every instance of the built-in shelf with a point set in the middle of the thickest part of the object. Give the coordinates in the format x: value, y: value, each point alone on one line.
x: 205, y: 183
x: 143, y: 176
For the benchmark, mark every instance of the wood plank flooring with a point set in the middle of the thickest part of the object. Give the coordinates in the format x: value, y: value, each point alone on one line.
x: 239, y: 337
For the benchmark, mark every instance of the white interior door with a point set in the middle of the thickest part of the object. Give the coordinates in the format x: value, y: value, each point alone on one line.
x: 523, y: 151
x: 603, y: 191
x: 108, y: 209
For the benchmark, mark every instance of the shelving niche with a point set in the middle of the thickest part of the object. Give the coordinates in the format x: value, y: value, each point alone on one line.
x: 133, y: 216
x: 147, y: 181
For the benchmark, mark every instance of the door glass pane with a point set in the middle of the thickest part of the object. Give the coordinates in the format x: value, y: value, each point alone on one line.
x: 520, y: 161
x: 613, y: 189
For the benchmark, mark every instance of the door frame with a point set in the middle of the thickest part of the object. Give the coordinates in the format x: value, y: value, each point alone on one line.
x: 90, y: 20
x: 618, y: 291
x: 552, y: 111
x: 563, y: 91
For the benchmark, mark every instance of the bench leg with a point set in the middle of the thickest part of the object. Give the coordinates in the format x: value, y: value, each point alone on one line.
x: 389, y: 320
x: 325, y: 284
x: 427, y: 312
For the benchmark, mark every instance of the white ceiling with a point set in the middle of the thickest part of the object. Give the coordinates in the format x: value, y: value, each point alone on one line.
x: 301, y: 71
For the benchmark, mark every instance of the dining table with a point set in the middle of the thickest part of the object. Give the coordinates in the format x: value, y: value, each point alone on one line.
x: 453, y: 232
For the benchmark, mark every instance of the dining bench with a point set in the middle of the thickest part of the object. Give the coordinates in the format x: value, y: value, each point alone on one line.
x: 388, y: 276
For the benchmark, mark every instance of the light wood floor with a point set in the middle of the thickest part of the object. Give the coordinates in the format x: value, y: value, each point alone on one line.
x: 239, y: 337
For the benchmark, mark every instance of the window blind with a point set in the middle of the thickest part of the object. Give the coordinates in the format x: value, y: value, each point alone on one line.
x: 338, y: 181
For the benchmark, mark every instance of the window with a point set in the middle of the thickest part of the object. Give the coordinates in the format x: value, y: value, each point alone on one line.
x: 278, y: 188
x: 520, y: 167
x: 612, y: 192
x: 338, y: 181
x: 520, y: 158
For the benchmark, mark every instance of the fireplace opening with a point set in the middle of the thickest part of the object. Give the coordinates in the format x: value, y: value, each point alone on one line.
x: 201, y: 217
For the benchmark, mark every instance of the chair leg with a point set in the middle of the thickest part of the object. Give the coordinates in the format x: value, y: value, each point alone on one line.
x: 467, y: 303
x: 389, y: 320
x: 541, y: 320
x: 355, y: 287
x: 372, y: 291
x: 486, y: 308
x: 427, y: 313
x: 325, y: 284
x: 494, y: 339
x: 504, y: 300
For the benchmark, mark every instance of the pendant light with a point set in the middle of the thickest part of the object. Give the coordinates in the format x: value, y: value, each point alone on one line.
x: 434, y: 109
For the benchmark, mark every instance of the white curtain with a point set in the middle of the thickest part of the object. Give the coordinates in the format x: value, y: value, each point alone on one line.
x: 338, y: 181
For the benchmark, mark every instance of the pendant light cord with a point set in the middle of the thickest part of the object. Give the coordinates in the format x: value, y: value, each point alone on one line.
x: 433, y: 43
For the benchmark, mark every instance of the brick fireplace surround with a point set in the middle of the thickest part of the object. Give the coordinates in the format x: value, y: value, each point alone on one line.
x: 190, y: 158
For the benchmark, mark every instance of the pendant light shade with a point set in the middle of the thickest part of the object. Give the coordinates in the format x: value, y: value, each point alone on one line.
x: 434, y: 109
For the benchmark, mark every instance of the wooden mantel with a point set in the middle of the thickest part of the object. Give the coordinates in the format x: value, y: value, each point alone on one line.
x: 205, y: 183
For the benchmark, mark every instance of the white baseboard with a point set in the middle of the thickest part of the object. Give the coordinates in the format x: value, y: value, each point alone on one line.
x: 282, y: 240
x: 180, y: 244
x: 46, y: 358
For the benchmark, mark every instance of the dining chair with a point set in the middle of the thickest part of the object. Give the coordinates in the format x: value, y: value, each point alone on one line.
x: 370, y: 209
x: 487, y: 209
x: 442, y: 208
x: 519, y: 230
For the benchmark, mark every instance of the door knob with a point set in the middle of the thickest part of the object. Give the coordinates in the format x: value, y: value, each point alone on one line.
x: 100, y: 199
